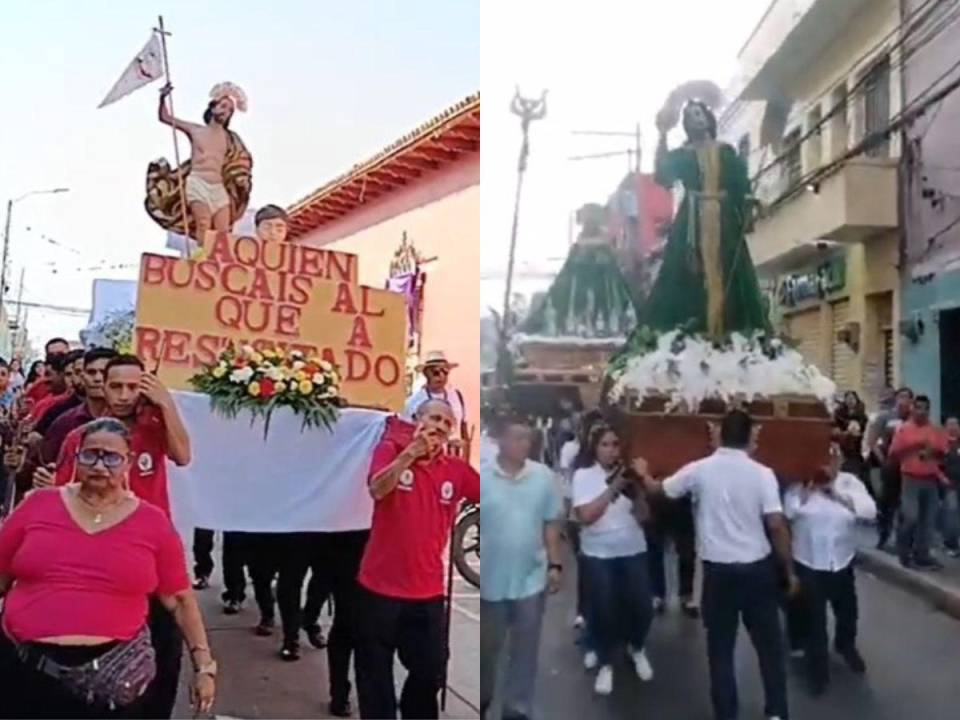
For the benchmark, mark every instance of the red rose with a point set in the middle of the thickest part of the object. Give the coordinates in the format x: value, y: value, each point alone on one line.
x: 267, y: 388
x: 311, y: 370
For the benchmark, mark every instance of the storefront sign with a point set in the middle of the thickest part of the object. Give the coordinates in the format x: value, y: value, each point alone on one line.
x: 252, y: 291
x: 827, y: 279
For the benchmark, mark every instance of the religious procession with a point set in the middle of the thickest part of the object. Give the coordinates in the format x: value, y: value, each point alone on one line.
x: 242, y: 482
x: 726, y: 397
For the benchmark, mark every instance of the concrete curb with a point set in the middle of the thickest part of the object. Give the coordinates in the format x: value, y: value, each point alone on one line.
x: 925, y: 585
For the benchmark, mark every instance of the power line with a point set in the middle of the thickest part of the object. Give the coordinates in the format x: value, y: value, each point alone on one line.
x: 906, y: 116
x: 53, y: 308
x: 863, y: 81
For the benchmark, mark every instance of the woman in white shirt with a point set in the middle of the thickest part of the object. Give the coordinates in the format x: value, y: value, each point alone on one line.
x: 824, y: 514
x: 613, y: 557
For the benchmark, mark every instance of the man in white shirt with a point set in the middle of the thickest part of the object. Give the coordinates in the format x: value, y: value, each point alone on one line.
x: 436, y: 371
x: 737, y: 503
x: 824, y: 516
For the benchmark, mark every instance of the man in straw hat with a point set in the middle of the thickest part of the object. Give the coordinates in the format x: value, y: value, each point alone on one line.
x: 436, y: 370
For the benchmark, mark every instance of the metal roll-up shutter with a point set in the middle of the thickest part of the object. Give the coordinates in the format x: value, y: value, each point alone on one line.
x: 842, y: 357
x: 804, y: 329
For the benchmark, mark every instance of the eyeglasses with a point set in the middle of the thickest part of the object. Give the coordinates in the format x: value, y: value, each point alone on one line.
x: 438, y: 371
x: 111, y: 460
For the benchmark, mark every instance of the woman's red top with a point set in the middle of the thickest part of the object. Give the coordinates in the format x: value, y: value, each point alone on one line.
x: 69, y: 582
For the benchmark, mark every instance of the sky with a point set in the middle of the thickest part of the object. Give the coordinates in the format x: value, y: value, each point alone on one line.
x: 607, y: 65
x: 329, y: 84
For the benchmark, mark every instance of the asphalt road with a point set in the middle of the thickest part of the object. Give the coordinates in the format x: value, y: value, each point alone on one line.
x: 912, y: 652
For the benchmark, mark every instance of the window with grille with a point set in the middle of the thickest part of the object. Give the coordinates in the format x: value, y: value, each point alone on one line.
x: 792, y: 169
x: 888, y: 357
x: 876, y: 106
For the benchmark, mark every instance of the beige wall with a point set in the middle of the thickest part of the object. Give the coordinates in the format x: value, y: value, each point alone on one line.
x: 441, y: 216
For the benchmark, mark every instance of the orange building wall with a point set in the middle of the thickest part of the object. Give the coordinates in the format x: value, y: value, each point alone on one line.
x: 441, y: 215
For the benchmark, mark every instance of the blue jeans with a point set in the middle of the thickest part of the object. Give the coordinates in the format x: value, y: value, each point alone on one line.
x: 919, y: 506
x: 619, y: 604
x: 950, y: 513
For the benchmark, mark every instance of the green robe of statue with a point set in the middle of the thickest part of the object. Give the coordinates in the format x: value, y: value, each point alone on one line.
x: 707, y: 282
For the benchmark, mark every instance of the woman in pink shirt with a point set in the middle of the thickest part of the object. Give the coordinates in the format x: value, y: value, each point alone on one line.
x: 77, y: 566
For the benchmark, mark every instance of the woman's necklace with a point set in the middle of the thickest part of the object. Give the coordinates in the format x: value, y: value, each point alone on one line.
x: 101, y: 509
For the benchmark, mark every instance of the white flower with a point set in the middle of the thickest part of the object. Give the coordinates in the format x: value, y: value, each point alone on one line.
x: 247, y: 350
x: 296, y: 354
x: 241, y: 376
x: 328, y: 394
x: 319, y: 378
x: 274, y: 373
x: 299, y: 365
x: 325, y: 366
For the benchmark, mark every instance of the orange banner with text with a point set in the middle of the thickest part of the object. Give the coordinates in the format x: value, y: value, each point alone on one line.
x: 250, y: 291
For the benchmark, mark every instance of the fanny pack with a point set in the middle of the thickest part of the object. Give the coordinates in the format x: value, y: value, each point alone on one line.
x: 113, y: 680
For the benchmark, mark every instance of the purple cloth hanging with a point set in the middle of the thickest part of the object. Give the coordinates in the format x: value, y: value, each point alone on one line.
x: 408, y: 284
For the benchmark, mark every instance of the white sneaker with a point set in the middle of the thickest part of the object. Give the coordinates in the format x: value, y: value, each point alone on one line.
x: 590, y: 660
x: 579, y: 622
x: 604, y: 681
x: 642, y: 665
x: 797, y: 654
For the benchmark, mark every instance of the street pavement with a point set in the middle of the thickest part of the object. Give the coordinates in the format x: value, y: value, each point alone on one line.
x: 255, y: 683
x: 912, y: 651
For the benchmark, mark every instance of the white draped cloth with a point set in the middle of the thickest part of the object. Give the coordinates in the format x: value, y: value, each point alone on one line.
x: 314, y: 480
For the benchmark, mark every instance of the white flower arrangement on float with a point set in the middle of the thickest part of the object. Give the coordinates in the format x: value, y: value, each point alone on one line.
x: 688, y: 369
x: 263, y: 380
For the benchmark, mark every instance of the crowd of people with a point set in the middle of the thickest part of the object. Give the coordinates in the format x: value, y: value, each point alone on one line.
x: 97, y: 600
x: 773, y: 552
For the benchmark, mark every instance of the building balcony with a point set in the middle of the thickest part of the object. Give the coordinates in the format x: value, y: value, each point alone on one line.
x: 792, y: 34
x: 856, y: 202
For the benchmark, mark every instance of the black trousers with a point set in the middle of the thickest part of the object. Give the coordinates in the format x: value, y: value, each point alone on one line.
x: 890, y: 485
x: 344, y: 551
x: 161, y: 696
x: 202, y: 553
x: 263, y: 553
x: 751, y: 592
x: 817, y: 589
x: 234, y: 563
x: 303, y: 552
x: 413, y: 630
x: 28, y: 693
x: 671, y: 519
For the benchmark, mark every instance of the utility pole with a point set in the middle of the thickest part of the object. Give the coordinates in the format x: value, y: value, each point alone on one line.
x: 527, y: 110
x: 6, y: 235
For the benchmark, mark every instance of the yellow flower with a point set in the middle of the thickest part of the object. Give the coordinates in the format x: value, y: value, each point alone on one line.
x: 254, y: 389
x: 256, y: 358
x: 306, y: 387
x: 270, y: 354
x: 300, y: 376
x: 219, y: 372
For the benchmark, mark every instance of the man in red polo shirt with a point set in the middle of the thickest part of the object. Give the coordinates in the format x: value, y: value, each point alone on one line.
x: 157, y: 433
x: 54, y: 405
x: 920, y: 447
x: 94, y: 404
x: 41, y: 388
x: 416, y: 490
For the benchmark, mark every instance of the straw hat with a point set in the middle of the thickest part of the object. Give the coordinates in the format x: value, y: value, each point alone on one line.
x: 434, y: 358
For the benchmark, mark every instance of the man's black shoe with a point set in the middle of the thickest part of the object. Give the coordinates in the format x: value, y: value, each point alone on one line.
x: 315, y: 636
x: 853, y: 659
x: 264, y: 628
x: 340, y: 708
x: 818, y: 688
x: 201, y: 583
x: 907, y: 562
x: 928, y: 564
x: 231, y: 607
x: 290, y: 652
x: 691, y: 610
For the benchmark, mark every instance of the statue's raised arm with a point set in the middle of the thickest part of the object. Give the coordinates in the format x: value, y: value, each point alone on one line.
x: 216, y: 180
x: 707, y: 282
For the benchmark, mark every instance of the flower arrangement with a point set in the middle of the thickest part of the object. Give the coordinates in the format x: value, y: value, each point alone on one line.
x: 263, y: 380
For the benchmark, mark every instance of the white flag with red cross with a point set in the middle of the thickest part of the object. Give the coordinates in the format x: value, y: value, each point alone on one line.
x: 146, y: 67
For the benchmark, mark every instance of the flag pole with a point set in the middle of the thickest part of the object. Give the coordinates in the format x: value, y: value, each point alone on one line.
x: 176, y: 146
